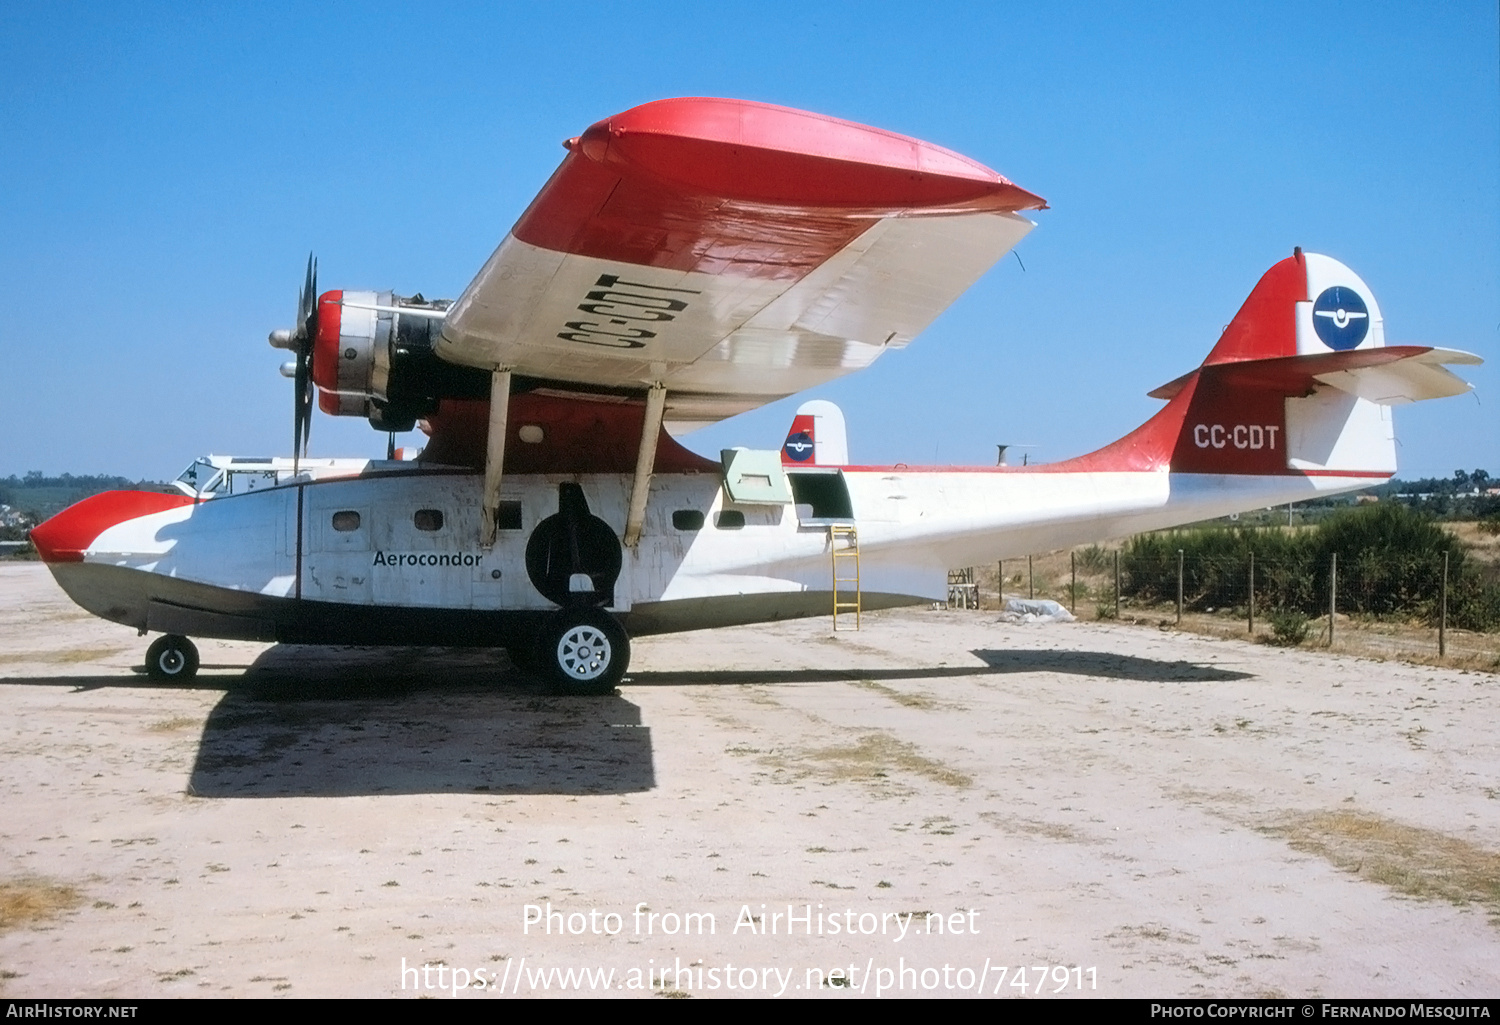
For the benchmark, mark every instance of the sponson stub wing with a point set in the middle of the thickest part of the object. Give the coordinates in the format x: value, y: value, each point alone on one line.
x: 732, y: 253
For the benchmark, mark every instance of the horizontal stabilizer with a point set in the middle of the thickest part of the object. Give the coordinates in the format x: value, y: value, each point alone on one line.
x: 1411, y: 379
x: 1390, y: 375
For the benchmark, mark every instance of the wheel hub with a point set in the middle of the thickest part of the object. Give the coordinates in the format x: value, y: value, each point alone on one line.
x: 584, y: 653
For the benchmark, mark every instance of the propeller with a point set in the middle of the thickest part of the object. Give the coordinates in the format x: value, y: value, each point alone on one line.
x: 300, y: 341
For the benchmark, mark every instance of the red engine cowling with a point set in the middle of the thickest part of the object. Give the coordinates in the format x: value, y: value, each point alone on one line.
x: 351, y: 364
x: 374, y: 356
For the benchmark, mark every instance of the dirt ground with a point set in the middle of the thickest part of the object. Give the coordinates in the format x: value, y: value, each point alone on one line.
x: 1116, y: 810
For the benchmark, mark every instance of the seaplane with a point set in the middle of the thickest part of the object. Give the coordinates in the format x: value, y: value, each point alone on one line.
x: 691, y: 259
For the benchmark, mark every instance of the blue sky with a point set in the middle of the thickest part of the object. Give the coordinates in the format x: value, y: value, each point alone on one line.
x: 166, y: 168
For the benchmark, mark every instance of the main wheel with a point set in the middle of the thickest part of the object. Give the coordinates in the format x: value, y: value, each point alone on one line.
x: 584, y: 652
x: 172, y: 657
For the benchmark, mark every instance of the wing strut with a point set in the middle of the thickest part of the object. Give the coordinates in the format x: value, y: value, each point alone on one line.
x: 494, y: 453
x: 645, y: 460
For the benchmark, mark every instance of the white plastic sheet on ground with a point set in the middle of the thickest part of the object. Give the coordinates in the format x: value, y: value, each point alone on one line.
x: 1034, y: 610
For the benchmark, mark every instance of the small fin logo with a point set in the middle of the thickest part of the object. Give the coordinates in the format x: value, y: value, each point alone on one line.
x: 799, y: 447
x: 1341, y: 318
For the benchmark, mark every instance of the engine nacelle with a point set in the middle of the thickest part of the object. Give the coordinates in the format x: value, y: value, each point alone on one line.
x: 371, y: 359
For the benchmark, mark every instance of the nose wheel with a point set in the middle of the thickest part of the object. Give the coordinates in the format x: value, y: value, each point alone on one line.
x: 584, y: 652
x: 172, y: 657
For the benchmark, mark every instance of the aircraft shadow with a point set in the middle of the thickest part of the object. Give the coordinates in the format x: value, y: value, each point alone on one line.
x: 1077, y: 663
x: 323, y: 721
x: 339, y: 722
x: 741, y: 677
x: 1106, y: 664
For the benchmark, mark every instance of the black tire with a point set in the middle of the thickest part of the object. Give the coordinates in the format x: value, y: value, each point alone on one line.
x: 523, y: 655
x: 172, y: 657
x: 583, y: 651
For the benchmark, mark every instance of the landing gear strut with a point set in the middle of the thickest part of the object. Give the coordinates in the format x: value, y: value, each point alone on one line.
x: 172, y: 657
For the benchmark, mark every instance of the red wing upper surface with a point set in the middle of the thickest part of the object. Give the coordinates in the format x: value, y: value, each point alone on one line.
x: 735, y: 252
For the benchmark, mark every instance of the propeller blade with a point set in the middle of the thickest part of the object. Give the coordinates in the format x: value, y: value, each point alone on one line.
x: 308, y: 295
x: 312, y: 305
x: 300, y: 411
x: 303, y: 346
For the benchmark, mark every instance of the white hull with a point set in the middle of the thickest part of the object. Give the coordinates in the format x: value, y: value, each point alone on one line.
x: 912, y: 527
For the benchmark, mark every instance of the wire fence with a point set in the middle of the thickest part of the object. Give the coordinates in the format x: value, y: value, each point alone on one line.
x: 1382, y: 605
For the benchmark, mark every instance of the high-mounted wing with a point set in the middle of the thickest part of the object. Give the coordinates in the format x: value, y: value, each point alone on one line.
x: 731, y: 253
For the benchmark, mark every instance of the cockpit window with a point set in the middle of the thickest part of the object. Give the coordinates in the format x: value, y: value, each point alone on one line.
x: 202, y: 476
x: 198, y: 474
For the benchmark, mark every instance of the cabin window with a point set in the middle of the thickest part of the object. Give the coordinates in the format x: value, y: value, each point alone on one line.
x: 346, y: 520
x: 688, y: 519
x: 428, y: 519
x: 508, y: 516
x: 729, y: 519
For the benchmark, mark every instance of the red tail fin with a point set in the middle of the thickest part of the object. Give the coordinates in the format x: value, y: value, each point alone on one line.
x: 1266, y: 325
x: 1294, y: 385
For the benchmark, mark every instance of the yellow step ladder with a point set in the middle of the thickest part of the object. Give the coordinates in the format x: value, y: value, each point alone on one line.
x: 844, y: 545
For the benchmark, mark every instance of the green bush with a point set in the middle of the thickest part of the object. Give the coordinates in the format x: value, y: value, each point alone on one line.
x: 1289, y: 627
x: 1474, y: 605
x: 1390, y: 562
x: 1214, y: 564
x: 1105, y: 603
x: 1093, y: 559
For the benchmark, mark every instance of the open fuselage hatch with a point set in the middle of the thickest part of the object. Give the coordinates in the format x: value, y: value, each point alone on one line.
x: 821, y: 497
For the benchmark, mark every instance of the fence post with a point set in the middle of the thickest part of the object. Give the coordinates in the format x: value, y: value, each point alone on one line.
x: 1000, y: 583
x: 1333, y: 593
x: 1251, y: 603
x: 1117, y: 583
x: 1030, y: 579
x: 1073, y: 587
x: 1443, y: 613
x: 1179, y: 587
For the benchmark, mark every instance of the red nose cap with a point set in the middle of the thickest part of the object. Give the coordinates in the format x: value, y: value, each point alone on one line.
x: 66, y: 536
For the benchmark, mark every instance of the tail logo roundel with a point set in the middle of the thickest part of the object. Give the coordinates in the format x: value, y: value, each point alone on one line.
x: 799, y: 447
x: 1341, y: 318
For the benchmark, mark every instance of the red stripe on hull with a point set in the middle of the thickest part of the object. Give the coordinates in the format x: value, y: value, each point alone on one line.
x: 747, y: 189
x: 1065, y: 467
x: 66, y: 536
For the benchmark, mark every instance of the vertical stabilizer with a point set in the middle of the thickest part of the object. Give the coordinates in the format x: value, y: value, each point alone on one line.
x: 1300, y: 382
x: 817, y: 436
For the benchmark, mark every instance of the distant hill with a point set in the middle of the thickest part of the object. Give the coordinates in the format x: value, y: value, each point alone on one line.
x: 34, y: 497
x: 1464, y: 496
